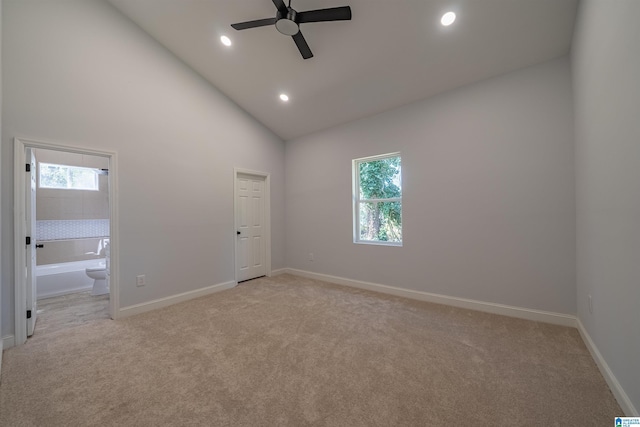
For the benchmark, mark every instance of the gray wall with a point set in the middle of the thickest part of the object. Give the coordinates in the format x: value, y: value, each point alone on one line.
x: 78, y: 72
x: 488, y: 203
x: 606, y: 72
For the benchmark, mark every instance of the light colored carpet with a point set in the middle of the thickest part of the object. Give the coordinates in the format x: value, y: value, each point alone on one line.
x: 288, y: 351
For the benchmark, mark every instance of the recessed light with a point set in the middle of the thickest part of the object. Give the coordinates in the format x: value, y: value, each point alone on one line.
x: 225, y: 40
x: 448, y: 18
x: 284, y: 97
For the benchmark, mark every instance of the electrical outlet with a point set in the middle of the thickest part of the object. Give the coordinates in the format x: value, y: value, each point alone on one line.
x: 590, y: 304
x: 310, y: 256
x: 141, y: 280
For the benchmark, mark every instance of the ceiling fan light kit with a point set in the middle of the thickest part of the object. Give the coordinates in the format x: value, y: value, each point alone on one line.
x: 288, y: 20
x: 287, y: 24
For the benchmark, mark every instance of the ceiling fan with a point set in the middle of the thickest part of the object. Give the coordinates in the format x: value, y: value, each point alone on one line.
x: 288, y: 20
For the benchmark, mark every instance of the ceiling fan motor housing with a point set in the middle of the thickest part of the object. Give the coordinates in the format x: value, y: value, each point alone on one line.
x: 287, y: 25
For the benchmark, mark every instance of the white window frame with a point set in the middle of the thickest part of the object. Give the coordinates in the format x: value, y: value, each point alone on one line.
x: 357, y: 201
x: 68, y: 167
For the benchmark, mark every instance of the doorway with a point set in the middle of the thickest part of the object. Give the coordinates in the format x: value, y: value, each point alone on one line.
x: 65, y: 240
x: 252, y: 224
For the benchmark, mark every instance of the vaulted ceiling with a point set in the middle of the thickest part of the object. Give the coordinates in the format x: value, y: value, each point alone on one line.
x: 391, y: 53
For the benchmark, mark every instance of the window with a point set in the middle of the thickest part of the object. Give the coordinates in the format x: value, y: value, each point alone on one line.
x: 68, y: 177
x: 377, y: 195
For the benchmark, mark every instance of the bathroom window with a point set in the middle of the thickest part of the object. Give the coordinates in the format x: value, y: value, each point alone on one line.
x: 377, y: 200
x: 68, y: 177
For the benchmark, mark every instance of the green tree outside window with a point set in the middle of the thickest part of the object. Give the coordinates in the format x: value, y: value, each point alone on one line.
x: 379, y: 199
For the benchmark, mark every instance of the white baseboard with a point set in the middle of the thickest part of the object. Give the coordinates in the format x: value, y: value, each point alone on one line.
x: 174, y: 299
x: 488, y: 307
x: 8, y: 341
x: 612, y: 381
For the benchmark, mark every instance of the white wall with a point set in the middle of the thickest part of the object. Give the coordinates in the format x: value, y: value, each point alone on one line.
x: 488, y: 204
x: 78, y: 72
x: 606, y: 72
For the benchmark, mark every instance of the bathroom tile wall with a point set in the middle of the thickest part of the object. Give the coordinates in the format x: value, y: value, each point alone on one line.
x: 71, y: 223
x: 71, y: 229
x: 59, y: 251
x: 58, y: 204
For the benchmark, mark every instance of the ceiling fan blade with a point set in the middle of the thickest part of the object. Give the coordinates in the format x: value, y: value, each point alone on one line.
x: 332, y: 14
x: 281, y: 6
x: 303, y: 47
x: 254, y: 24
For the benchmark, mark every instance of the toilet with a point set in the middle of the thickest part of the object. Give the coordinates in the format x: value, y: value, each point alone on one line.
x: 99, y: 276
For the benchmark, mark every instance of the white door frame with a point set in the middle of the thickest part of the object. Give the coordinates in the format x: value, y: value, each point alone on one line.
x: 267, y: 217
x: 19, y: 199
x: 31, y: 248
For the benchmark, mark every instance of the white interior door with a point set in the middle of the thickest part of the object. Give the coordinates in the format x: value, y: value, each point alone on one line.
x: 30, y: 218
x: 250, y: 223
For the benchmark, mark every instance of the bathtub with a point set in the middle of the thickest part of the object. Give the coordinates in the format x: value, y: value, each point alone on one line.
x: 65, y: 278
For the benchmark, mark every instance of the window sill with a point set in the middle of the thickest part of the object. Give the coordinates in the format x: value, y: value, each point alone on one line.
x: 373, y: 243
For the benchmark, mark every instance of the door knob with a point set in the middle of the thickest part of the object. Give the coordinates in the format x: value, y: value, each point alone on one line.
x: 40, y: 246
x: 238, y: 233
